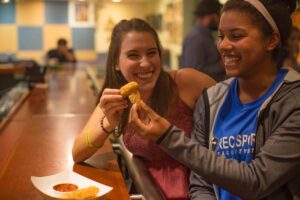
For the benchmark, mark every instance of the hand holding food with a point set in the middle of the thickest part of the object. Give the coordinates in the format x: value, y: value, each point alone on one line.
x: 153, y: 128
x: 112, y: 105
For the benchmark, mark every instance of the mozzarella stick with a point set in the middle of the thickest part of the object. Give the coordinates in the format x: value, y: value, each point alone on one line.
x: 135, y: 97
x: 131, y: 91
x: 84, y: 193
x: 129, y: 88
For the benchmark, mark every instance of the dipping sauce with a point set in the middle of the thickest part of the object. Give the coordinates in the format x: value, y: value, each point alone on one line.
x: 65, y: 187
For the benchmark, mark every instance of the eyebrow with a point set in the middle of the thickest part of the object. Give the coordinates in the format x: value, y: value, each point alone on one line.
x: 154, y: 48
x: 237, y: 29
x: 232, y: 30
x: 134, y: 50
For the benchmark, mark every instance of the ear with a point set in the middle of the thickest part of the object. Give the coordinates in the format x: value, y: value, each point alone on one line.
x: 117, y: 67
x: 274, y: 41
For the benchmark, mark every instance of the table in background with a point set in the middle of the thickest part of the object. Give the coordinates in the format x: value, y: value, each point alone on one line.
x: 37, y: 140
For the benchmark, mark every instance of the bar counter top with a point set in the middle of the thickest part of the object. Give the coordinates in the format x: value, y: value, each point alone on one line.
x: 38, y: 139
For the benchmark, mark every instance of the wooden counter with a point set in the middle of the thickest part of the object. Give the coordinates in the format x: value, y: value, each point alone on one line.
x: 11, y: 68
x: 37, y: 140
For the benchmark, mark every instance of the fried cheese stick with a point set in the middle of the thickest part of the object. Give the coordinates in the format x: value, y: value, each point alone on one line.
x: 131, y: 91
x: 84, y: 193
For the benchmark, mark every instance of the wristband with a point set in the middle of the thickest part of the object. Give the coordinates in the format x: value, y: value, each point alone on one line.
x: 102, y: 126
x: 88, y: 141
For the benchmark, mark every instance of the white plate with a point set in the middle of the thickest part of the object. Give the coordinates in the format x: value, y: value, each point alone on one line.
x: 45, y: 184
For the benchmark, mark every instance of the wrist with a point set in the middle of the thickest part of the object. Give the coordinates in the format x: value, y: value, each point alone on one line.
x: 105, y: 126
x: 162, y: 136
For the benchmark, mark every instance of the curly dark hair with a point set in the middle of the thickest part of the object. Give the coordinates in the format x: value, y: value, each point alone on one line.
x: 280, y: 10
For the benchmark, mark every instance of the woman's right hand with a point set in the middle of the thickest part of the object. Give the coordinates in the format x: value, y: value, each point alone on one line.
x: 151, y: 127
x: 112, y: 105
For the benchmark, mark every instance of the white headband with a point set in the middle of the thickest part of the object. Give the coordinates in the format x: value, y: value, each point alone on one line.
x: 262, y: 9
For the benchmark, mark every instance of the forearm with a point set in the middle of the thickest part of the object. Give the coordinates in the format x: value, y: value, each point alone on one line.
x: 91, y: 137
x: 199, y: 189
x: 202, y: 161
x: 258, y: 177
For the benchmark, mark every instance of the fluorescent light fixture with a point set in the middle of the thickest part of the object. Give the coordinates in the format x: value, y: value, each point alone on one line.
x: 5, y: 1
x: 116, y: 1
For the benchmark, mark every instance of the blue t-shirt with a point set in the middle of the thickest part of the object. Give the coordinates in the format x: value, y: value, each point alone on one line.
x: 235, y: 127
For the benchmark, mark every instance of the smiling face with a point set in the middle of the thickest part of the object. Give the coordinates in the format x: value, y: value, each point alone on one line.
x: 244, y: 49
x: 139, y: 60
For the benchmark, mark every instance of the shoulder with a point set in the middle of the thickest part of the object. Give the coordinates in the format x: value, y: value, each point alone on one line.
x: 52, y: 52
x: 189, y: 76
x: 190, y: 84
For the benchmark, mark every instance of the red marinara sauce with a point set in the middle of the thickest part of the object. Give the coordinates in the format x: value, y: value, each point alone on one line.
x: 65, y: 187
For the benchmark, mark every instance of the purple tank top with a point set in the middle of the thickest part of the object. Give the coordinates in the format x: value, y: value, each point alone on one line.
x: 171, y: 176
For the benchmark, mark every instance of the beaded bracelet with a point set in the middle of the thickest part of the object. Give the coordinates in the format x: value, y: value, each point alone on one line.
x: 88, y: 141
x: 102, y: 126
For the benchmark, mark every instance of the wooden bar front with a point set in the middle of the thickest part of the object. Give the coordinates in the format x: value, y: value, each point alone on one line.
x: 38, y: 139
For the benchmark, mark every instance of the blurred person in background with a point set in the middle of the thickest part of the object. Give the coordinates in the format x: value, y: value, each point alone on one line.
x: 199, y: 49
x: 291, y: 53
x: 61, y: 54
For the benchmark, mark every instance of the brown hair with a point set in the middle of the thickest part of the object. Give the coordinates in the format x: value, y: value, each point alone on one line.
x: 165, y: 90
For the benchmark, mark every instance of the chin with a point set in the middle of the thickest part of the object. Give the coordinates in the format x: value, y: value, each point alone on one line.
x: 231, y: 73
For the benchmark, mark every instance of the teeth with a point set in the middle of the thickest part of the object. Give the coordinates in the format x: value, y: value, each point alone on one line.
x: 144, y: 75
x: 230, y: 60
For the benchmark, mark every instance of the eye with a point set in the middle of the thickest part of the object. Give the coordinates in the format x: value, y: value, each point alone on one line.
x: 221, y: 37
x: 133, y: 56
x: 237, y: 36
x: 152, y: 53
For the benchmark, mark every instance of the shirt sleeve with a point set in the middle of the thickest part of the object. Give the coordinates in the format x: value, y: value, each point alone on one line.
x: 199, y: 188
x: 277, y: 163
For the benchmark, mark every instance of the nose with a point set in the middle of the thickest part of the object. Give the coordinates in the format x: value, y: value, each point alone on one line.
x: 144, y: 62
x: 224, y: 44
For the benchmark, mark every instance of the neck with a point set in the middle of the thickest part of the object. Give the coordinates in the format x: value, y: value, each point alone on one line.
x: 146, y: 96
x: 252, y: 88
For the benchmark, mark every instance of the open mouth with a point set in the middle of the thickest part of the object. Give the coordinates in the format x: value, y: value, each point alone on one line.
x: 144, y: 75
x: 231, y: 60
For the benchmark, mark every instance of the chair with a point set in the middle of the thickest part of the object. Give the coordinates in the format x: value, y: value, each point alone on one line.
x: 136, y: 173
x: 35, y: 73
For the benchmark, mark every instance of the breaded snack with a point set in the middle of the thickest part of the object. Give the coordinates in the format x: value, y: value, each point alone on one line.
x: 131, y: 91
x: 129, y: 88
x: 135, y: 97
x: 84, y: 193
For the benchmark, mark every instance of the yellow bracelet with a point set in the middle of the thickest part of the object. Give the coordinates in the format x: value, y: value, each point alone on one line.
x: 88, y: 141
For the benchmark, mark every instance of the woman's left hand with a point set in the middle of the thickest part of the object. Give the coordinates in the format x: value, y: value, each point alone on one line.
x: 153, y: 127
